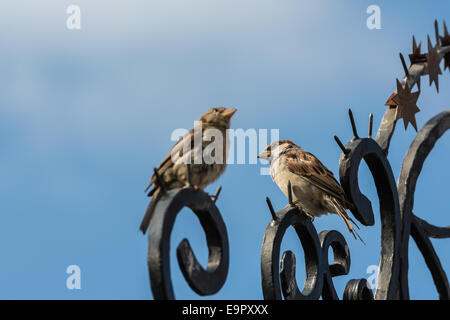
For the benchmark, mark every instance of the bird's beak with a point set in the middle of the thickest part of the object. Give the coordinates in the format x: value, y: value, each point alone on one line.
x: 228, y: 113
x: 264, y: 155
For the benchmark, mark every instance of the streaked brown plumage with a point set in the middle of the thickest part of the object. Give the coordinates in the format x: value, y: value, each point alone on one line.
x: 173, y: 169
x: 314, y: 188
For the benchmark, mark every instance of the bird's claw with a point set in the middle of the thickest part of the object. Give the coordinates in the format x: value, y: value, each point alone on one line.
x: 188, y: 185
x: 309, y: 215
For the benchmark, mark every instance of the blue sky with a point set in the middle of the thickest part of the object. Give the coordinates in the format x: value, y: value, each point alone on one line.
x: 85, y: 115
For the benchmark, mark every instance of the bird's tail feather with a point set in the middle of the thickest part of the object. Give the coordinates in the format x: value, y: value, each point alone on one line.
x: 150, y: 209
x: 340, y: 210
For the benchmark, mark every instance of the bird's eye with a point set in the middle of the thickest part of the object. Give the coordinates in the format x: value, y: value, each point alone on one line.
x: 216, y: 110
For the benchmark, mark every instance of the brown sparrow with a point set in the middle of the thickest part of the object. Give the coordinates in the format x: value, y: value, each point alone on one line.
x: 173, y: 169
x: 314, y: 189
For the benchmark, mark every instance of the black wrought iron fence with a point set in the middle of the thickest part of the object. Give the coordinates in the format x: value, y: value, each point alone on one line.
x: 396, y: 200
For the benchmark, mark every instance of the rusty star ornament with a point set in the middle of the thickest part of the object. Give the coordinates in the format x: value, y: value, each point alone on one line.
x: 445, y: 41
x: 433, y: 61
x: 417, y: 57
x: 406, y: 102
x: 390, y: 101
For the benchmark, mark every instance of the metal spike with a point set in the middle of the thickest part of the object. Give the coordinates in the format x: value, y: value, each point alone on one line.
x: 436, y: 30
x: 352, y: 121
x: 343, y: 148
x: 370, y: 125
x: 289, y: 192
x: 216, y: 195
x: 188, y: 174
x: 272, y: 212
x: 445, y: 29
x: 416, y: 48
x: 405, y: 68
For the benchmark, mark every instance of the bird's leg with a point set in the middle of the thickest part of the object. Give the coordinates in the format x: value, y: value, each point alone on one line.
x: 295, y: 203
x: 309, y: 215
x: 188, y: 185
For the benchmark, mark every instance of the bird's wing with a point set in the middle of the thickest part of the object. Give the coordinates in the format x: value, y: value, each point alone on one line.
x: 310, y: 168
x: 177, y: 150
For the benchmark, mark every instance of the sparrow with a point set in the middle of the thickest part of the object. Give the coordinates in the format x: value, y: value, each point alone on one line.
x: 315, y: 191
x: 173, y: 169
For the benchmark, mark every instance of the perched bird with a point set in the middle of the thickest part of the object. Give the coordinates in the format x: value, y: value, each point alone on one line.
x: 314, y: 189
x: 173, y: 169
